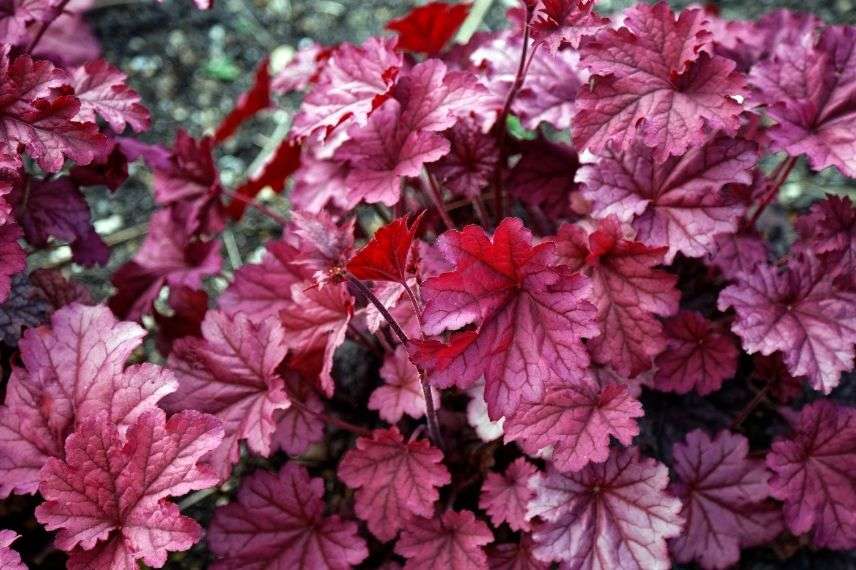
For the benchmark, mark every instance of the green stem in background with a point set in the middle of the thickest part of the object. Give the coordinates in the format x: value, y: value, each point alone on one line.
x: 780, y: 174
x: 478, y: 11
x: 430, y: 411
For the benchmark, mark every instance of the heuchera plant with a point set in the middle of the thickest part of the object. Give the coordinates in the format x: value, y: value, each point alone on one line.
x: 522, y: 314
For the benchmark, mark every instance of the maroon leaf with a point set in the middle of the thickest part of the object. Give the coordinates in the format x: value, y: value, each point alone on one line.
x: 384, y: 258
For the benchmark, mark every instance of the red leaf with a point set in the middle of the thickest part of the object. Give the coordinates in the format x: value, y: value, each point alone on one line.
x: 472, y: 159
x: 284, y: 162
x: 103, y: 91
x: 108, y: 499
x: 301, y: 424
x: 829, y: 229
x: 384, y: 258
x: 394, y: 479
x: 255, y: 99
x: 608, y: 515
x: 560, y: 22
x: 504, y: 496
x: 577, y: 421
x: 723, y: 493
x: 73, y: 370
x: 699, y: 356
x: 627, y: 290
x: 799, y: 310
x: 814, y: 473
x: 453, y: 541
x: 279, y: 521
x: 531, y: 314
x: 232, y: 374
x: 427, y: 29
x: 188, y: 311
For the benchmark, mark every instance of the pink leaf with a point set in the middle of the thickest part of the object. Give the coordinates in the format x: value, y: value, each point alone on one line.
x: 504, y: 496
x: 680, y: 203
x: 656, y: 77
x: 560, y: 22
x: 723, y: 493
x: 402, y: 392
x: 453, y: 541
x: 231, y: 374
x: 9, y: 559
x: 531, y: 315
x: 738, y: 252
x: 394, y: 479
x: 609, y: 515
x: 814, y: 473
x: 800, y: 311
x: 74, y: 370
x: 427, y: 29
x: 279, y: 521
x: 301, y: 424
x: 103, y: 91
x: 807, y: 87
x: 18, y: 14
x: 111, y: 492
x: 577, y: 420
x: 699, y: 356
x: 627, y: 291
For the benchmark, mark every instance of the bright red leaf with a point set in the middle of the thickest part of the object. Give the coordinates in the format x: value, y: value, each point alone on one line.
x: 452, y: 541
x: 231, y: 374
x: 814, y: 473
x: 109, y: 498
x: 608, y: 515
x: 655, y: 76
x: 699, y: 356
x: 724, y: 494
x: 284, y: 162
x: 279, y: 521
x: 255, y: 99
x: 384, y: 257
x: 401, y: 392
x: 427, y: 29
x: 628, y: 291
x: 577, y: 421
x: 680, y: 203
x: 103, y: 91
x: 505, y: 496
x: 531, y: 314
x: 799, y: 310
x: 394, y: 480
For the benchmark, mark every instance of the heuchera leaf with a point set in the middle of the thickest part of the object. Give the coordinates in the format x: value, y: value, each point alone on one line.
x: 807, y: 86
x: 615, y: 514
x: 427, y: 29
x: 108, y: 499
x: 559, y: 22
x: 531, y: 314
x: 278, y: 521
x: 103, y: 91
x: 325, y: 245
x: 453, y: 540
x: 284, y: 162
x: 515, y: 556
x: 402, y: 134
x: 544, y: 175
x: 699, y: 356
x: 394, y: 479
x: 384, y: 258
x: 73, y: 370
x: 16, y: 15
x: 738, y: 252
x: 471, y: 162
x: 655, y: 76
x: 38, y: 113
x: 402, y: 392
x: 505, y: 496
x: 14, y: 258
x: 829, y: 229
x: 301, y: 424
x: 168, y: 256
x: 231, y: 373
x: 627, y: 290
x: 302, y: 70
x: 255, y: 99
x: 814, y: 473
x: 680, y: 203
x: 799, y: 310
x: 189, y: 307
x: 723, y: 492
x: 577, y: 420
x: 9, y: 559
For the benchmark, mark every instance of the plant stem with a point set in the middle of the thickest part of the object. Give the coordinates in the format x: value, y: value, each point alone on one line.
x: 413, y: 301
x: 47, y: 24
x: 777, y: 179
x: 281, y: 220
x: 433, y: 190
x: 431, y: 412
x: 502, y: 131
x: 327, y: 418
x: 749, y: 407
x: 478, y: 207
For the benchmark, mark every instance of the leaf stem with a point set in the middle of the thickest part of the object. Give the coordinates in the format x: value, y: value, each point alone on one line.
x: 431, y: 412
x: 750, y: 406
x: 413, y: 301
x: 432, y: 189
x: 281, y: 220
x: 327, y: 418
x: 777, y: 179
x: 47, y: 24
